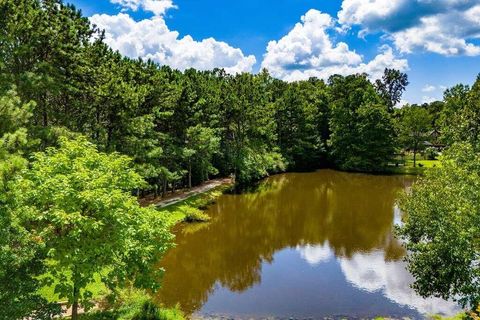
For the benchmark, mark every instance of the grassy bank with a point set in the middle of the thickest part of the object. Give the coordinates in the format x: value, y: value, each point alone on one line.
x: 191, y: 209
x: 406, y: 166
x: 134, y: 304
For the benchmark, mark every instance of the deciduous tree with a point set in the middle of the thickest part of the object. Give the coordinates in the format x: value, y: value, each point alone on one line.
x: 76, y: 202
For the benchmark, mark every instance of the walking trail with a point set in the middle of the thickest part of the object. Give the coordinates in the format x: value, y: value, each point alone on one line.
x: 183, y: 195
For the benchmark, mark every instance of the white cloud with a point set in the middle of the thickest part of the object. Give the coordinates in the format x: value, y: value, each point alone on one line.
x: 158, y: 7
x: 445, y: 27
x: 308, y: 51
x: 315, y: 254
x: 152, y: 39
x: 429, y: 88
x: 370, y: 272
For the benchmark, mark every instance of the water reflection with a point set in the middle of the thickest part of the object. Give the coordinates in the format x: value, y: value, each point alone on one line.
x: 372, y: 273
x: 307, y: 244
x: 315, y: 254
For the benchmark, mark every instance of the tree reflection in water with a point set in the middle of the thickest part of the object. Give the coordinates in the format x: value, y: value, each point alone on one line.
x: 323, y: 215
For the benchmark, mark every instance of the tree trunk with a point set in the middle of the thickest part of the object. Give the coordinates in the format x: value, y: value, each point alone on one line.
x: 75, y: 303
x: 189, y: 176
x: 164, y: 191
x: 45, y: 118
x: 415, y: 157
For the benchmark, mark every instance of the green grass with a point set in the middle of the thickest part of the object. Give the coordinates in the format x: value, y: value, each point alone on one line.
x: 460, y: 316
x: 179, y: 211
x: 424, y: 163
x: 406, y: 165
x: 128, y: 305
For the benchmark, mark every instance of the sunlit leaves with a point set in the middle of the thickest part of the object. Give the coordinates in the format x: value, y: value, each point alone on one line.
x: 78, y: 202
x: 442, y: 228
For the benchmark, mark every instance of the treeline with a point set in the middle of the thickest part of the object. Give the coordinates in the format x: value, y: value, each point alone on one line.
x: 181, y: 128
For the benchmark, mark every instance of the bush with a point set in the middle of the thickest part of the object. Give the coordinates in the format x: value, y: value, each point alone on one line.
x: 132, y: 304
x: 431, y: 153
x: 193, y: 214
x: 149, y: 312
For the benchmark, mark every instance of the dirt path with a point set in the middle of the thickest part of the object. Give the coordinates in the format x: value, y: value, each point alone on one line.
x: 160, y: 202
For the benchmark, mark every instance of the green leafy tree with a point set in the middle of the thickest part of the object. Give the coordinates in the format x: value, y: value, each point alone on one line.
x: 441, y: 228
x: 77, y: 203
x: 391, y: 87
x: 361, y: 128
x: 461, y: 116
x: 201, y: 144
x: 456, y: 101
x: 302, y: 123
x: 19, y: 252
x: 376, y: 131
x: 43, y: 45
x: 414, y: 127
x: 249, y: 127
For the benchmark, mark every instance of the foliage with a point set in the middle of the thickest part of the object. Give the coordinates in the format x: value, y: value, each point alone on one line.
x: 178, y: 129
x: 129, y: 304
x: 362, y: 132
x: 150, y: 311
x: 461, y: 116
x: 75, y: 202
x: 413, y: 128
x: 302, y: 123
x: 176, y: 212
x: 441, y: 228
x: 431, y: 153
x: 19, y: 251
x: 193, y: 214
x: 391, y: 87
x: 201, y: 145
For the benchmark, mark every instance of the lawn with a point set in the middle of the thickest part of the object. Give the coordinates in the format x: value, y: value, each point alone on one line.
x: 405, y: 165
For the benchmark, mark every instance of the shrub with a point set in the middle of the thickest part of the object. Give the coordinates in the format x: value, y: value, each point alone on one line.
x: 149, y: 312
x: 193, y: 214
x: 431, y: 153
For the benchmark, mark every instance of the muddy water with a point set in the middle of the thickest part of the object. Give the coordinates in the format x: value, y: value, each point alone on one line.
x: 303, y: 245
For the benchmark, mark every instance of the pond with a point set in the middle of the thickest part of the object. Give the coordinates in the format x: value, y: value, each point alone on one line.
x: 303, y: 245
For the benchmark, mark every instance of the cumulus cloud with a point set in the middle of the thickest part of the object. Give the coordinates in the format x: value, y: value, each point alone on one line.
x: 370, y: 272
x: 445, y: 27
x: 315, y: 254
x: 309, y: 51
x: 157, y: 7
x: 152, y: 39
x: 429, y: 88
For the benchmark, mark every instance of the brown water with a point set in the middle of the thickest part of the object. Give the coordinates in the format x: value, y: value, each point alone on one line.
x: 304, y: 245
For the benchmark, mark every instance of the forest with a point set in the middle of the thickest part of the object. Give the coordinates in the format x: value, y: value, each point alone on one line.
x: 78, y: 117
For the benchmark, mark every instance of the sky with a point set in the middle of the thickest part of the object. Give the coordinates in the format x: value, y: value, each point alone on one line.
x: 436, y: 42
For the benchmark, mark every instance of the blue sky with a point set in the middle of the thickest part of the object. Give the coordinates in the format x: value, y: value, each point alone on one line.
x: 436, y: 42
